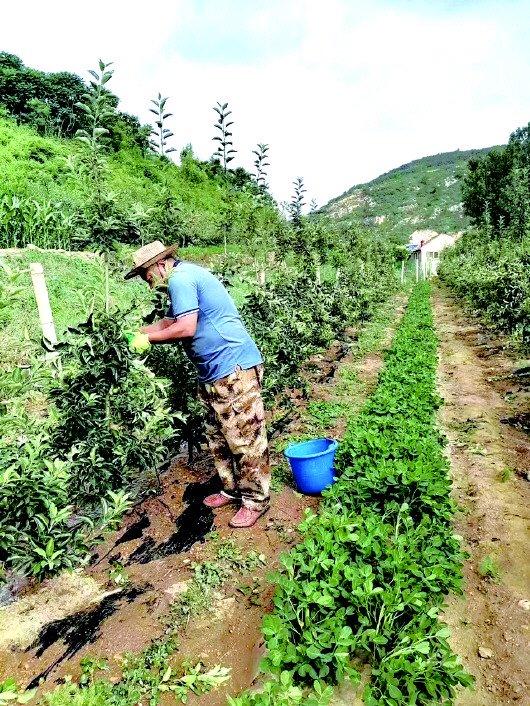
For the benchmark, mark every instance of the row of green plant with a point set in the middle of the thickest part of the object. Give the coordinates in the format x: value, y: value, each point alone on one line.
x: 68, y: 476
x: 367, y: 583
x: 489, y: 267
x: 294, y: 315
x: 493, y: 277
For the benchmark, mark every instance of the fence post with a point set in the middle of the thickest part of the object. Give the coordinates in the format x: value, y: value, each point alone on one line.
x: 43, y: 302
x: 317, y: 275
x: 417, y: 269
x: 402, y: 271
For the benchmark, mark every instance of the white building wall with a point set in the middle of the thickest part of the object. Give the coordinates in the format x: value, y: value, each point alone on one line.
x: 430, y: 253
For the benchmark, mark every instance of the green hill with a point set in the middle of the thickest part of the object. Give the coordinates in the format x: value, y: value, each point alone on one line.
x: 77, y: 172
x: 43, y: 195
x: 422, y: 194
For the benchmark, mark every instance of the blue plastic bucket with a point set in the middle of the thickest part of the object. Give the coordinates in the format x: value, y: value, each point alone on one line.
x: 312, y: 464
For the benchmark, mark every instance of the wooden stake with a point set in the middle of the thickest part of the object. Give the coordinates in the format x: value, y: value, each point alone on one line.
x: 402, y: 271
x: 417, y: 269
x: 43, y: 302
x: 318, y: 276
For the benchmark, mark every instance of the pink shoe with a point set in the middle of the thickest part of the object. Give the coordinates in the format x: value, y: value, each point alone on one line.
x: 218, y: 500
x: 245, y: 517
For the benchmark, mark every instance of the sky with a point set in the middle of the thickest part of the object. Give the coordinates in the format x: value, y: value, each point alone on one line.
x: 341, y: 90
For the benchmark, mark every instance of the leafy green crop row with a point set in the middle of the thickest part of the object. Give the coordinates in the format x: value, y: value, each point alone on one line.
x: 369, y: 578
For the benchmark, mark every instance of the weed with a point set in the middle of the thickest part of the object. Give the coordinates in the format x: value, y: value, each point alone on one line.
x: 281, y: 476
x: 118, y: 575
x: 505, y: 475
x: 489, y: 569
x: 323, y: 415
x: 10, y: 693
x: 209, y: 576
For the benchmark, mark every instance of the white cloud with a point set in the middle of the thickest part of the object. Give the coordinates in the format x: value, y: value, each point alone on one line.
x: 358, y: 89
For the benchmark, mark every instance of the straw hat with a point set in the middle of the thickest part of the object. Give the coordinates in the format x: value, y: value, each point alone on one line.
x: 149, y: 254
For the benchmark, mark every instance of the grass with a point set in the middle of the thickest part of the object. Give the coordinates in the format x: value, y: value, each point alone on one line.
x: 76, y: 285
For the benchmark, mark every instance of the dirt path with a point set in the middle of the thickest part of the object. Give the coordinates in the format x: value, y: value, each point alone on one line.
x: 46, y: 633
x: 490, y: 463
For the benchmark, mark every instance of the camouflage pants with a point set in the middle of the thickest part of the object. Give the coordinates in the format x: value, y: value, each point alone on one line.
x: 237, y: 436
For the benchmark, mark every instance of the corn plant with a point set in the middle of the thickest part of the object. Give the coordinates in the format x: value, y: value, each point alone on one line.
x: 45, y: 224
x: 162, y: 133
x: 225, y: 151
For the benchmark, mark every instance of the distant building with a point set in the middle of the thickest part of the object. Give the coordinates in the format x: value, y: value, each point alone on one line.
x: 425, y: 247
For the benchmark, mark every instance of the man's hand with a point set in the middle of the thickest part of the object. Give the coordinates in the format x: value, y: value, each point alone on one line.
x: 138, y: 342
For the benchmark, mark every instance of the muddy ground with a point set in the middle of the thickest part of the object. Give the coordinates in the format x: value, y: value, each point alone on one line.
x: 490, y: 459
x: 45, y: 634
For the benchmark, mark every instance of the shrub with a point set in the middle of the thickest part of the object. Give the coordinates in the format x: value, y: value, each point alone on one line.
x: 113, y: 420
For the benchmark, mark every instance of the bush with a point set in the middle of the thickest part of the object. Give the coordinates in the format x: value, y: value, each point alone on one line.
x: 113, y: 421
x: 36, y: 532
x: 493, y: 277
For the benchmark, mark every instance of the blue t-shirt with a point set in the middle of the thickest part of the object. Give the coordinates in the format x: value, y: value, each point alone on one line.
x: 221, y: 341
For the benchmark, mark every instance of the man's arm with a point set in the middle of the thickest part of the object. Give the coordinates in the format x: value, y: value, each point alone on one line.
x: 157, y: 326
x: 184, y: 327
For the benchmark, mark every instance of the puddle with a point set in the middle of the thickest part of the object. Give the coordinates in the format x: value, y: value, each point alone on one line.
x: 78, y: 630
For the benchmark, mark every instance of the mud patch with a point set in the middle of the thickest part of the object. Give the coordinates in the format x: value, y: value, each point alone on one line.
x: 192, y: 526
x: 78, y: 630
x: 135, y: 531
x: 21, y: 622
x: 519, y: 421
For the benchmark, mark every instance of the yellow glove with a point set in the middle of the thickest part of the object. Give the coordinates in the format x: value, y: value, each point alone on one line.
x: 139, y: 342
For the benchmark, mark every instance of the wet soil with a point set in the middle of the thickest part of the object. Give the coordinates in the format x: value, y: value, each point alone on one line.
x: 490, y: 461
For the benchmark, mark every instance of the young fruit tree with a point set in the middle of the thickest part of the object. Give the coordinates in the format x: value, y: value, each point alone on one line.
x: 261, y: 163
x: 297, y: 204
x: 225, y: 150
x: 162, y: 133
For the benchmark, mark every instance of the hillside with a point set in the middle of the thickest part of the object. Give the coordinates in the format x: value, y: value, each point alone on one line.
x: 44, y: 195
x: 424, y: 193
